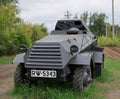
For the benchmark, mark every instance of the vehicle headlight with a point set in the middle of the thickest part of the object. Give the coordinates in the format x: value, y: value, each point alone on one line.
x: 23, y: 48
x: 74, y: 49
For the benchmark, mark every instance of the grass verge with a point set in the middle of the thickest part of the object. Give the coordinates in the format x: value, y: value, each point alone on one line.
x: 6, y: 59
x: 99, y: 89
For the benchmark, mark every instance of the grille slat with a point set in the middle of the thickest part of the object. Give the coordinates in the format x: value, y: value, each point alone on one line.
x: 46, y: 50
x: 46, y: 47
x: 44, y: 60
x: 45, y: 55
x: 43, y: 64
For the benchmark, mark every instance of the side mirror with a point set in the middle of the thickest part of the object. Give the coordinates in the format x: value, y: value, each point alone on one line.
x: 23, y: 48
x: 95, y: 37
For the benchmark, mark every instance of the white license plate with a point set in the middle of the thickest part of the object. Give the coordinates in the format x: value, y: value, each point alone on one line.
x: 44, y: 73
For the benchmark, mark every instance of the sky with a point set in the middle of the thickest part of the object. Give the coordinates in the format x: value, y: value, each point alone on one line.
x: 49, y: 11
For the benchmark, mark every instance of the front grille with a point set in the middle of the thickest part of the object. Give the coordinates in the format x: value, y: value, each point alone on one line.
x: 45, y: 55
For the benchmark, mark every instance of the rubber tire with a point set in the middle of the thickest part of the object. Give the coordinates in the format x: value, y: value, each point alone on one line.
x: 78, y: 79
x: 19, y: 75
x: 98, y: 69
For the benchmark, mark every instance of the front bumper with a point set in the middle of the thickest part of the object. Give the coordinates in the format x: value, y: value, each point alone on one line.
x: 61, y: 74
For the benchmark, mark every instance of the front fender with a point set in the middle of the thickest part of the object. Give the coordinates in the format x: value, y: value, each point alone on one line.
x: 19, y: 58
x: 98, y: 55
x: 82, y: 59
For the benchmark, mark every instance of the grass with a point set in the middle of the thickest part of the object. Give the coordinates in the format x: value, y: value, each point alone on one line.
x: 107, y: 41
x: 43, y: 91
x: 6, y: 59
x: 98, y: 90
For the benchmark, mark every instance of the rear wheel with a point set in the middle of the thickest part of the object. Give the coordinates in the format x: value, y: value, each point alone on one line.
x: 99, y: 68
x: 19, y: 75
x: 81, y: 78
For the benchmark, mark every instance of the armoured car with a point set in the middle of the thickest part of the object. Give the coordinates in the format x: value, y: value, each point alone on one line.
x: 69, y: 51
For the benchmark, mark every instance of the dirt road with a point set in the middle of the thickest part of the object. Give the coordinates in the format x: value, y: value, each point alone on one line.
x: 112, y: 51
x: 7, y: 71
x: 6, y: 79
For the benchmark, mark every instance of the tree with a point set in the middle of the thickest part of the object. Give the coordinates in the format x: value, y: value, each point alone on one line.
x: 76, y: 16
x: 38, y: 32
x: 117, y: 29
x: 98, y: 23
x: 7, y: 2
x: 95, y: 21
x: 85, y: 17
x: 14, y: 31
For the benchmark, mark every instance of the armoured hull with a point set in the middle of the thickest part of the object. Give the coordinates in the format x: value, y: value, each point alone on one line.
x: 55, y: 53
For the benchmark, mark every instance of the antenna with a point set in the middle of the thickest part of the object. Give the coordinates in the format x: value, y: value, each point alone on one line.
x: 67, y: 14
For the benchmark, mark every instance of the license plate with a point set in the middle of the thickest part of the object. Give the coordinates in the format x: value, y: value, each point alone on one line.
x: 44, y: 73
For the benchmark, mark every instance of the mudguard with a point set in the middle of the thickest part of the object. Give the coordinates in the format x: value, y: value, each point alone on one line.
x: 19, y: 58
x: 82, y: 59
x: 98, y: 55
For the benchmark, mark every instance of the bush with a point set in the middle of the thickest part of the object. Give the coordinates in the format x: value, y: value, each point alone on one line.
x: 2, y: 44
x: 11, y: 39
x: 14, y: 32
x: 107, y: 41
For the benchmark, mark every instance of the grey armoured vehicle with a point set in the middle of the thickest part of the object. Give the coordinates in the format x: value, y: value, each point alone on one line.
x: 71, y: 49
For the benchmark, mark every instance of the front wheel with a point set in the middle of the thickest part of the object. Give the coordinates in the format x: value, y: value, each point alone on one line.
x: 19, y: 75
x: 81, y: 78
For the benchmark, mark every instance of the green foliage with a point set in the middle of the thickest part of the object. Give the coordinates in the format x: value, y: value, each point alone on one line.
x: 5, y: 2
x: 109, y: 30
x: 8, y: 18
x: 98, y: 24
x: 117, y: 30
x: 22, y: 34
x: 95, y: 21
x: 112, y: 66
x: 38, y: 31
x: 107, y: 41
x: 53, y: 91
x: 2, y: 44
x: 13, y: 31
x: 85, y: 17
